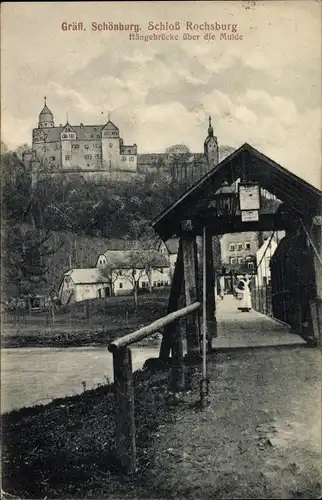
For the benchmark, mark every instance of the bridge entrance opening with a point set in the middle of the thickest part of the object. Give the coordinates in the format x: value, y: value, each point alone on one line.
x: 247, y: 193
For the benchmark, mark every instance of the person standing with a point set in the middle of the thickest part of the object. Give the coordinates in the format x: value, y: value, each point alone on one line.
x: 222, y: 287
x: 246, y: 300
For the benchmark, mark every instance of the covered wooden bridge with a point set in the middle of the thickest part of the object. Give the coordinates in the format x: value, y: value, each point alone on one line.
x: 247, y: 191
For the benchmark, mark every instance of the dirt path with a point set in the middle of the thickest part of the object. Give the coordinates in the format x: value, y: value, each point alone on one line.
x: 260, y: 437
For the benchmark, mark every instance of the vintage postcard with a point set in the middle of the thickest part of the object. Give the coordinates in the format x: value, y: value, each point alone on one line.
x: 161, y: 271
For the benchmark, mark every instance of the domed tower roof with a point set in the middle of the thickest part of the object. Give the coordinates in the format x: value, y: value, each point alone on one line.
x: 46, y: 118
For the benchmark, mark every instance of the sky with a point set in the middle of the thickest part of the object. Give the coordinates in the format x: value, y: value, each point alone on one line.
x: 264, y: 89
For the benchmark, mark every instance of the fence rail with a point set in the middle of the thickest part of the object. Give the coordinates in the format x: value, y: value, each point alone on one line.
x: 262, y: 300
x: 154, y: 327
x: 123, y: 380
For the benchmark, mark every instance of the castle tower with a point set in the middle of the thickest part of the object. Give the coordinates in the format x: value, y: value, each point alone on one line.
x: 67, y: 135
x: 110, y: 146
x: 46, y: 118
x: 211, y: 148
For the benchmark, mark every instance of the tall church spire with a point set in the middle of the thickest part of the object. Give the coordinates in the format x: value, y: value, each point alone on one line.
x: 211, y: 148
x: 210, y: 129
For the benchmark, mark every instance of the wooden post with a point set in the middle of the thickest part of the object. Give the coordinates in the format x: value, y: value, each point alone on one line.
x: 178, y: 380
x: 173, y: 305
x: 125, y: 422
x: 211, y: 304
x: 190, y: 285
x: 316, y: 304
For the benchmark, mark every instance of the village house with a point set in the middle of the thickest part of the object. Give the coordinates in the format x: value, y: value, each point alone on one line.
x: 147, y: 268
x: 170, y: 250
x: 263, y: 259
x: 83, y: 284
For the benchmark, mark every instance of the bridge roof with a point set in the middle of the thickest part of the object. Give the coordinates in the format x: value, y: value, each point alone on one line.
x: 296, y: 193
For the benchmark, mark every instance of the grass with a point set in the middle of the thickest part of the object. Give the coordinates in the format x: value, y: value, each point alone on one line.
x: 66, y: 449
x: 253, y: 440
x: 104, y: 320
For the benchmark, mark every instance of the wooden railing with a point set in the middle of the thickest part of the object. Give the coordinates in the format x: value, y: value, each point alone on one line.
x: 123, y: 380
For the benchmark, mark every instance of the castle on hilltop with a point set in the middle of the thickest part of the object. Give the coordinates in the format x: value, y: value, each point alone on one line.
x: 98, y: 151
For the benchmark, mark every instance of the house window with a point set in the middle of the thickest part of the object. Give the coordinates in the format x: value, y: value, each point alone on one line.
x: 154, y: 283
x: 64, y: 136
x: 131, y: 158
x: 52, y: 158
x: 239, y: 246
x: 68, y: 157
x: 121, y: 273
x: 75, y: 146
x: 232, y: 260
x: 110, y: 145
x: 240, y: 260
x: 86, y: 146
x: 123, y: 158
x: 121, y: 285
x: 161, y: 271
x: 247, y: 245
x: 250, y: 265
x: 97, y: 146
x: 88, y: 157
x: 97, y: 156
x: 161, y: 283
x: 232, y: 247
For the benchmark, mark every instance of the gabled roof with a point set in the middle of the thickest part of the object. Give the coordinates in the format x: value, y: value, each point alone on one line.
x: 172, y: 245
x: 68, y: 128
x: 271, y: 242
x: 127, y: 259
x: 110, y: 126
x: 286, y: 186
x: 87, y: 276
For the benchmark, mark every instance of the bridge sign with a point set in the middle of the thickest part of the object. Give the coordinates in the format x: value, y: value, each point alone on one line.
x: 249, y: 215
x: 249, y: 197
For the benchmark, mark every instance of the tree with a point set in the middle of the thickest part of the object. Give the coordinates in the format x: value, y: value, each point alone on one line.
x: 24, y: 258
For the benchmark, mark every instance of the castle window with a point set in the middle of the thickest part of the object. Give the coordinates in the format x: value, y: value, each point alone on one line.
x: 131, y: 158
x: 68, y: 157
x: 88, y: 157
x: 123, y: 158
x: 121, y: 285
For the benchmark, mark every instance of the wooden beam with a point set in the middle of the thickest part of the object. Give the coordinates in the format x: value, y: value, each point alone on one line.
x: 211, y: 305
x: 154, y: 327
x: 316, y: 303
x: 177, y: 375
x: 191, y: 289
x: 173, y: 304
x: 124, y: 407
